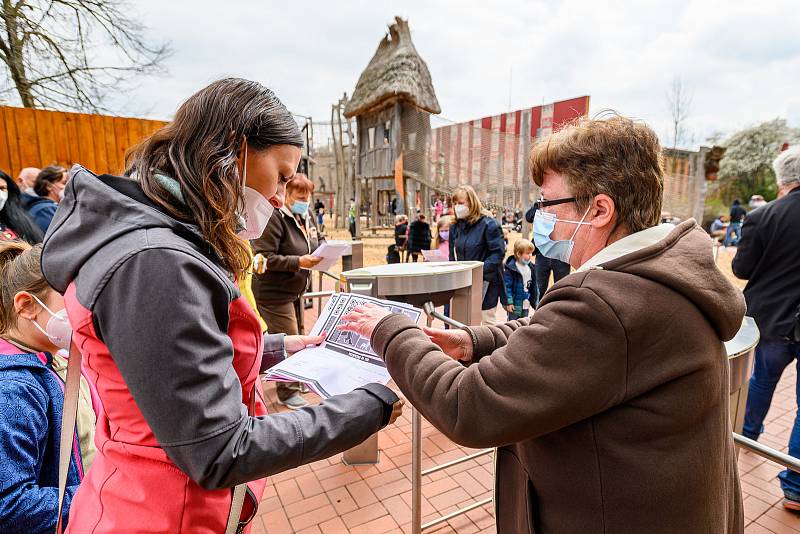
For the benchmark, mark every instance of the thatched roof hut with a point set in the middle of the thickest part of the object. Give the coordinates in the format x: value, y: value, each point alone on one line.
x: 396, y: 71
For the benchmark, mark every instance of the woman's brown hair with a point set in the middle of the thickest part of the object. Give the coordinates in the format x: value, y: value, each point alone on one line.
x: 20, y: 270
x: 200, y: 149
x: 300, y: 183
x: 615, y: 156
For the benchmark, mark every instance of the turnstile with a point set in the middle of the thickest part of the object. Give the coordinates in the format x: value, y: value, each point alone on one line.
x: 741, y: 353
x: 424, y: 285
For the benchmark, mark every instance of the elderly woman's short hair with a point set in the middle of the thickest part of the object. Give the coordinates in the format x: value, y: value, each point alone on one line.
x: 787, y: 166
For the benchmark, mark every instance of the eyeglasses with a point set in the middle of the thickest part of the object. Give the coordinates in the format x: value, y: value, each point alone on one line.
x: 542, y: 203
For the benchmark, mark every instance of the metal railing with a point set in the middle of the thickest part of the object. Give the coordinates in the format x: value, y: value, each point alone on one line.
x: 416, y: 454
x: 780, y: 458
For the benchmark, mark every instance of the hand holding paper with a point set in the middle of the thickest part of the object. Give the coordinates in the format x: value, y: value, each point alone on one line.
x: 329, y: 254
x: 345, y: 360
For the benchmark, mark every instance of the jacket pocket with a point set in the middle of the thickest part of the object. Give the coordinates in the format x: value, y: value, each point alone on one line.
x: 515, y: 497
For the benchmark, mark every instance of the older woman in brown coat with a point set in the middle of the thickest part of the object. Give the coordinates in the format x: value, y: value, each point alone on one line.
x: 609, y: 406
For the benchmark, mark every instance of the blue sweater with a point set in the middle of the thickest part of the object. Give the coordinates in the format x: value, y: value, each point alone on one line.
x: 31, y: 404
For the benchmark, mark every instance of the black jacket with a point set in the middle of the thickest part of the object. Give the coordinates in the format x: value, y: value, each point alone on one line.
x: 482, y: 241
x: 419, y: 236
x: 768, y: 257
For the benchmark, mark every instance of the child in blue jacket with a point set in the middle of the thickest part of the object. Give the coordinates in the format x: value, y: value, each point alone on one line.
x: 518, y: 278
x: 32, y: 328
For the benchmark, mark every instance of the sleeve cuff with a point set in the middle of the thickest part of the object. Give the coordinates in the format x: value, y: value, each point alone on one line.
x: 483, y: 341
x: 387, y: 397
x: 274, y: 351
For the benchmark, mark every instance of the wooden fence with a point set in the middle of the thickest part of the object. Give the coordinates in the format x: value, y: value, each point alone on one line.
x: 37, y: 138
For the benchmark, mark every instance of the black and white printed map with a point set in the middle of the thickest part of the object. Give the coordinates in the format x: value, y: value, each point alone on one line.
x: 345, y: 360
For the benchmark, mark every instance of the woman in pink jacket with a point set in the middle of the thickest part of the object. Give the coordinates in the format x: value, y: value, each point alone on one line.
x: 148, y: 264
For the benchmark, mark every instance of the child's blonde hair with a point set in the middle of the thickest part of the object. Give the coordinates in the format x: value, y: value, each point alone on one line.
x: 521, y: 246
x: 443, y: 221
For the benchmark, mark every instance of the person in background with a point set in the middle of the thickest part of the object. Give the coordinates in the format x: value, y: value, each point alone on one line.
x: 543, y: 266
x: 438, y: 209
x: 26, y: 179
x: 287, y: 243
x: 400, y: 233
x: 419, y: 237
x: 319, y: 210
x: 50, y: 184
x: 519, y: 280
x: 441, y: 241
x: 756, y: 201
x: 476, y: 236
x: 352, y: 213
x: 718, y: 227
x: 15, y: 223
x: 737, y: 217
x: 768, y: 258
x: 33, y: 327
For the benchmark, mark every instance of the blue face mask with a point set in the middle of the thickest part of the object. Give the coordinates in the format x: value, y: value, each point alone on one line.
x: 300, y: 207
x: 543, y: 225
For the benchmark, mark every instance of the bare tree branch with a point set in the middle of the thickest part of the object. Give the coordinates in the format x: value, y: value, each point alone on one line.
x: 74, y: 53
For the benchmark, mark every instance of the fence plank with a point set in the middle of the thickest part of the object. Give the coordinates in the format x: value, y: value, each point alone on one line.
x: 26, y: 138
x: 60, y: 139
x: 13, y: 146
x: 86, y: 153
x: 121, y: 135
x: 5, y: 156
x: 72, y: 140
x: 44, y: 134
x: 111, y: 146
x: 100, y: 156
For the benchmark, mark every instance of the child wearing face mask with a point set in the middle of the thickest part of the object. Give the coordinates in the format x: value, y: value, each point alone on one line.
x: 517, y: 277
x: 33, y: 328
x: 441, y: 240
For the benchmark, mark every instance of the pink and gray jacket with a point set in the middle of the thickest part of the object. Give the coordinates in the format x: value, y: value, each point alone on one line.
x: 175, y: 351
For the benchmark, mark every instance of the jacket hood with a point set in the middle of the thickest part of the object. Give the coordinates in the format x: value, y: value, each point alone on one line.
x: 511, y: 263
x: 14, y: 359
x: 32, y: 201
x: 683, y: 261
x: 95, y: 211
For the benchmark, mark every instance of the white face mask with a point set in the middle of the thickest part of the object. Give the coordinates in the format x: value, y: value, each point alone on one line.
x: 3, y: 198
x: 257, y: 209
x: 58, y: 328
x: 461, y: 211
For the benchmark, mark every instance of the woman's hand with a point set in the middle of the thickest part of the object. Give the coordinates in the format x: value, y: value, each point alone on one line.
x: 510, y: 308
x: 308, y: 261
x: 363, y: 319
x: 454, y: 342
x: 294, y: 344
x: 397, y: 410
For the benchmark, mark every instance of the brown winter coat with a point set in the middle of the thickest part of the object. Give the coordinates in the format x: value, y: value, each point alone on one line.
x: 609, y: 405
x: 283, y: 242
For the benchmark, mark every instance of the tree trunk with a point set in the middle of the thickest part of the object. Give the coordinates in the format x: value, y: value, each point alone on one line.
x: 14, y: 56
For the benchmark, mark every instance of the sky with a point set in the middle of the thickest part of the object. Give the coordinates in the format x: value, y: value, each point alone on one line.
x: 739, y: 60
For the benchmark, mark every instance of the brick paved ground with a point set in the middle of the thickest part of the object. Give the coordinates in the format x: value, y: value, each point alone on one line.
x: 328, y: 497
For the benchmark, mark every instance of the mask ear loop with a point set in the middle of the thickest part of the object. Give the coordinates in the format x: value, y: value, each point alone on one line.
x: 578, y: 227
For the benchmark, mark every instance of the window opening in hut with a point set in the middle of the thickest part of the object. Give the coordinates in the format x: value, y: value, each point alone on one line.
x: 371, y: 138
x: 412, y: 141
x: 387, y: 133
